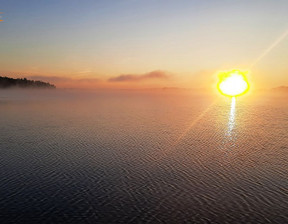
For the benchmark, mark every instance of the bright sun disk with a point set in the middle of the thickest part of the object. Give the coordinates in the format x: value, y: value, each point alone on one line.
x: 233, y: 83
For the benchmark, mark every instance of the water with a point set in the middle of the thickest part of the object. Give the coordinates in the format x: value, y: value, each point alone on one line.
x: 141, y: 157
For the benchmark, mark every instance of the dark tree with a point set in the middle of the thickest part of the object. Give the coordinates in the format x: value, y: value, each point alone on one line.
x: 6, y: 82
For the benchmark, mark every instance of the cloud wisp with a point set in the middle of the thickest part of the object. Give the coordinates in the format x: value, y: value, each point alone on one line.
x: 160, y: 75
x: 150, y: 78
x: 61, y: 81
x: 50, y: 78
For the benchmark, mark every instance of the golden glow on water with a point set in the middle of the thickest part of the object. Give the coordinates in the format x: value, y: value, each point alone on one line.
x: 233, y: 83
x: 231, y: 122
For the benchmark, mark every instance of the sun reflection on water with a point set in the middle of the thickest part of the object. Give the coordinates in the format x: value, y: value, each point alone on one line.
x: 231, y: 122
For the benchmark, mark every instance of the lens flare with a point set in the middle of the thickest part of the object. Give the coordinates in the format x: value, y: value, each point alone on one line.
x: 233, y: 83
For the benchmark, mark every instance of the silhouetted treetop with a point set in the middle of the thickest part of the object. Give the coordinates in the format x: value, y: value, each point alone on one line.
x: 6, y: 82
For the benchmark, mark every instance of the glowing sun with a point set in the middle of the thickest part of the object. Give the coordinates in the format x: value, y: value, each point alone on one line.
x: 233, y: 83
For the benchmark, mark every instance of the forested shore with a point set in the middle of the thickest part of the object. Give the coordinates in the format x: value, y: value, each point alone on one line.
x: 6, y: 82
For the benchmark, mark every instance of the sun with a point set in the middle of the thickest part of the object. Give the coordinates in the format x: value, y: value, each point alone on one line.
x: 233, y: 83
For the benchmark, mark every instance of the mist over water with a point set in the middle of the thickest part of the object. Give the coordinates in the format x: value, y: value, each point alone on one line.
x: 142, y: 157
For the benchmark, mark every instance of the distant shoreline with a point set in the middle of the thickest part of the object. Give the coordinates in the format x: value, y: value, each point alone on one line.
x: 6, y: 83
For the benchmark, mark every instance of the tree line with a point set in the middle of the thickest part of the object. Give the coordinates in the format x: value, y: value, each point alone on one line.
x: 6, y: 82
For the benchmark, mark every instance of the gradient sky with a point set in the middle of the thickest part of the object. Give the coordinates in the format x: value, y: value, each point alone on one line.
x: 143, y: 42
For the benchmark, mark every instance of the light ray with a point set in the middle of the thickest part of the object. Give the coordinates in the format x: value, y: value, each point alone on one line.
x: 169, y: 149
x: 192, y: 124
x: 279, y: 40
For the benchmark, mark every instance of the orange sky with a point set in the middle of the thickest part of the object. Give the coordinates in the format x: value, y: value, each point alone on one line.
x: 144, y: 44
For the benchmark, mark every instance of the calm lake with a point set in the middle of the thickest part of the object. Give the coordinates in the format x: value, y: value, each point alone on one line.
x: 141, y: 157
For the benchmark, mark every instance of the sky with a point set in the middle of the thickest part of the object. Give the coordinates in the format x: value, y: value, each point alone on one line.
x: 144, y: 43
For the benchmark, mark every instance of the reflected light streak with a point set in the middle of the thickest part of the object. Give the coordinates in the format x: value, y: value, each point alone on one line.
x: 231, y: 122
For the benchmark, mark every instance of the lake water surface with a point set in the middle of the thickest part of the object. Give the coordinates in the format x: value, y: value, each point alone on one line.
x: 141, y: 157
